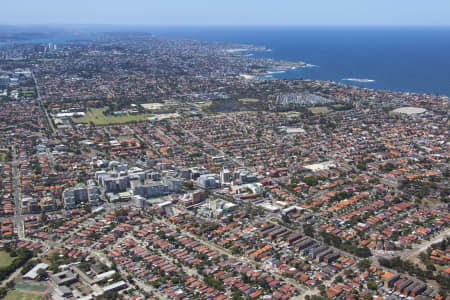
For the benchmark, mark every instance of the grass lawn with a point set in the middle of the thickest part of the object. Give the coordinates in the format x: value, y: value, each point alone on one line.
x: 27, y: 92
x: 20, y: 295
x: 30, y: 287
x: 206, y: 108
x: 319, y: 110
x: 274, y: 220
x: 204, y: 105
x: 47, y: 59
x: 3, y: 157
x: 5, y: 259
x: 96, y: 116
x: 292, y: 114
x: 337, y: 106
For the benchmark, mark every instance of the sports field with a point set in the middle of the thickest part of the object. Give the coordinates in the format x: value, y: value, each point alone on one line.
x: 319, y: 110
x: 22, y: 295
x: 30, y: 287
x: 96, y: 116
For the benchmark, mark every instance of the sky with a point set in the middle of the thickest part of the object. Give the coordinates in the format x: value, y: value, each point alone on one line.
x: 227, y: 12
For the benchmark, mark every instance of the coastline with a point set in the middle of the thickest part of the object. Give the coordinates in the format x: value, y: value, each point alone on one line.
x: 361, y: 80
x: 383, y: 62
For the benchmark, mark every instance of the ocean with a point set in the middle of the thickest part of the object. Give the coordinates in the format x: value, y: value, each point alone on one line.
x: 406, y: 59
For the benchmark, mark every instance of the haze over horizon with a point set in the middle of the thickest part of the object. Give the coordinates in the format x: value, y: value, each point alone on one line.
x: 232, y: 12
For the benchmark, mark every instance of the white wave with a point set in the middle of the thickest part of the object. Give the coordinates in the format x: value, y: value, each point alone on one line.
x: 363, y: 80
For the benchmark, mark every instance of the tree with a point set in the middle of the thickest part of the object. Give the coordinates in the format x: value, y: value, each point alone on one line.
x: 349, y: 273
x: 364, y: 264
x: 368, y: 297
x: 88, y: 208
x: 363, y: 252
x: 3, y: 292
x: 387, y: 167
x: 311, y: 180
x: 372, y: 285
x: 362, y: 165
x: 188, y: 185
x: 237, y: 296
x: 308, y: 229
x: 214, y: 283
x: 42, y: 274
x: 430, y: 267
x: 235, y: 250
x: 286, y: 219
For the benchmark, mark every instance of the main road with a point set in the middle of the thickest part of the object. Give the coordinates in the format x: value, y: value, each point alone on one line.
x: 227, y: 253
x: 41, y: 106
x: 17, y: 197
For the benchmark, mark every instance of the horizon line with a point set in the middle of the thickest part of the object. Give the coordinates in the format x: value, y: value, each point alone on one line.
x: 226, y: 25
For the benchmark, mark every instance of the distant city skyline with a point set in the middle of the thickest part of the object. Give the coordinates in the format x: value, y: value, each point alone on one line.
x: 231, y: 12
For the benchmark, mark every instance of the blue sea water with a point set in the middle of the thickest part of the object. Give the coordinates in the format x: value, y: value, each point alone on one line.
x: 407, y: 59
